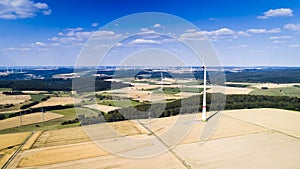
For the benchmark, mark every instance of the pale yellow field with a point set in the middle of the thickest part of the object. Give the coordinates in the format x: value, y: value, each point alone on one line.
x: 285, y: 121
x: 13, y: 99
x: 248, y: 151
x: 53, y: 101
x: 8, y: 140
x: 136, y: 93
x: 61, y: 137
x: 186, y: 94
x: 31, y: 140
x: 27, y: 119
x: 126, y: 128
x: 228, y: 90
x: 103, y: 108
x: 61, y: 154
x: 9, y: 143
x: 91, y: 156
x: 272, y: 85
x: 7, y: 153
x: 77, y: 134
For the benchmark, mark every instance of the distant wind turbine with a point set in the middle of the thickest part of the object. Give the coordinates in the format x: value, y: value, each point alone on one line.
x: 204, y: 96
x: 162, y: 81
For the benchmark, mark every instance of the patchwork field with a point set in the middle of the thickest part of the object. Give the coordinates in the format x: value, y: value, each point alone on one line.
x: 249, y: 135
x: 61, y: 154
x: 278, y: 91
x: 247, y: 151
x: 229, y: 90
x: 9, y: 143
x: 272, y: 85
x: 61, y: 137
x: 53, y: 101
x: 13, y: 99
x: 103, y: 108
x: 285, y: 121
x: 27, y: 119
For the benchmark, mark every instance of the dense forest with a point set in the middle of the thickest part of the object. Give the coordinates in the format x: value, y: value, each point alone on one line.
x: 83, y: 84
x: 278, y: 75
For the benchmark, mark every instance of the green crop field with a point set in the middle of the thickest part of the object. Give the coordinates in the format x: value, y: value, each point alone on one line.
x: 119, y: 103
x: 172, y: 90
x: 191, y: 83
x: 5, y: 89
x: 37, y: 97
x: 69, y: 114
x: 282, y: 91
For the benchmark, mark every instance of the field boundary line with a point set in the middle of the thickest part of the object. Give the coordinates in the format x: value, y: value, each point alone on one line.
x: 271, y: 129
x: 16, y: 152
x: 167, y: 146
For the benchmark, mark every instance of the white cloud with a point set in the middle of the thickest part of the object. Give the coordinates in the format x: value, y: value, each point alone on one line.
x: 238, y: 47
x: 219, y: 32
x: 278, y: 41
x: 72, y: 35
x: 118, y: 44
x: 256, y: 51
x: 295, y: 46
x: 212, y: 19
x: 157, y: 25
x: 74, y: 29
x: 77, y: 37
x: 276, y: 12
x: 243, y: 34
x: 94, y: 24
x: 144, y: 29
x: 47, y: 12
x: 17, y: 49
x: 15, y: 9
x: 191, y: 30
x: 279, y: 37
x: 292, y: 26
x: 261, y: 31
x: 192, y: 34
x: 144, y: 41
x: 42, y: 44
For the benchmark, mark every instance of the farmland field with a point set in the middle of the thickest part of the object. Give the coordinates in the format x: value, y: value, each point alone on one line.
x: 229, y: 90
x: 279, y: 91
x: 13, y: 99
x: 61, y: 154
x: 119, y: 103
x: 61, y: 137
x: 238, y: 130
x: 103, y: 108
x: 9, y: 144
x: 27, y: 119
x: 53, y: 101
x: 65, y: 115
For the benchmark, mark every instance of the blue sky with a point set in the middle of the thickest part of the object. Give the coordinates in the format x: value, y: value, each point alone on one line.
x: 243, y: 32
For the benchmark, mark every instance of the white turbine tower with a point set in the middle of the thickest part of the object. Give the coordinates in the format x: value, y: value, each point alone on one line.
x: 204, y: 95
x: 162, y: 81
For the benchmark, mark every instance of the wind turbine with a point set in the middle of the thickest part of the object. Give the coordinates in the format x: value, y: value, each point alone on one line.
x: 162, y: 81
x: 204, y: 95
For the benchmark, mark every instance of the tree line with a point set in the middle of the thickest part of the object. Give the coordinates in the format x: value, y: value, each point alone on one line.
x: 84, y: 85
x: 193, y: 105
